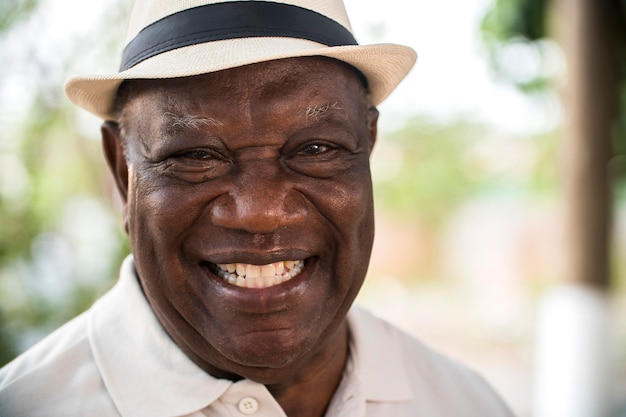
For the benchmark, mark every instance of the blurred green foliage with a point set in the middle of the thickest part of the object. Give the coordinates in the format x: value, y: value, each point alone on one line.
x: 509, y: 19
x: 432, y: 170
x: 438, y: 166
x: 60, y: 241
x: 13, y: 11
x: 520, y: 23
x: 57, y: 171
x: 427, y: 177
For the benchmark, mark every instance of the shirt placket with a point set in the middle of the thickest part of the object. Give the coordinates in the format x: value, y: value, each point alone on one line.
x: 245, y: 399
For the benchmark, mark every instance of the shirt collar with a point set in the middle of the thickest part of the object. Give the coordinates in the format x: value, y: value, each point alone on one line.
x: 144, y: 371
x: 378, y: 358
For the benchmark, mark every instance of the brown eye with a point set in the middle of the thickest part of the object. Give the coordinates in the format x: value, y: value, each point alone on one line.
x: 314, y: 149
x: 198, y: 155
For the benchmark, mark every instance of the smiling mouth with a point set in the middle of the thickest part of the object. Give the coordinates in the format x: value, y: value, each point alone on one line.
x: 258, y: 276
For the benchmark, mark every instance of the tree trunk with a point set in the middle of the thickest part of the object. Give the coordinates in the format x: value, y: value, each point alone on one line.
x: 572, y: 374
x: 588, y: 34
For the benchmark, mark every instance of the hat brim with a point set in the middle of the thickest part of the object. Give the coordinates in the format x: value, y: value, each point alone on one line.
x: 384, y: 66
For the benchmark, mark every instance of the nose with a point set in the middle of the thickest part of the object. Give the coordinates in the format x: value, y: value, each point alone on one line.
x: 262, y: 199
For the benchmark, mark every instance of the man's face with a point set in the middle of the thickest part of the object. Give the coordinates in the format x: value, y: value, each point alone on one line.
x: 249, y: 209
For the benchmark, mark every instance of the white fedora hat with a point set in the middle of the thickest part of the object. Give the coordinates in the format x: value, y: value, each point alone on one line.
x: 170, y: 39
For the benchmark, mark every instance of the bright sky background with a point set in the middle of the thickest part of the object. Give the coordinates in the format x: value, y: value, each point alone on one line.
x: 451, y: 76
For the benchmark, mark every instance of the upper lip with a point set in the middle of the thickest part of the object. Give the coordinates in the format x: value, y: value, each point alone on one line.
x: 228, y: 256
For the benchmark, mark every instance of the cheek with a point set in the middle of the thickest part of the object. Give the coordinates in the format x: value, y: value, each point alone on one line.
x: 347, y: 206
x: 359, y: 222
x: 350, y: 204
x: 159, y: 216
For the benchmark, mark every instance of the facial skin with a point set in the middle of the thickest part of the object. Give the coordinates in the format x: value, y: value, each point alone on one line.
x: 253, y: 165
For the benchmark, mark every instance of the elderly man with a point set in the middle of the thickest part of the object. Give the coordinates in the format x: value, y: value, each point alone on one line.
x: 239, y: 137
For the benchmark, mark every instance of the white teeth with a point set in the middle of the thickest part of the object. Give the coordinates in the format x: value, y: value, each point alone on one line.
x: 253, y: 271
x: 268, y: 271
x: 259, y: 276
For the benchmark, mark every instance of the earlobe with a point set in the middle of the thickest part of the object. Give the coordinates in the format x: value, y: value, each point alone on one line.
x: 372, y: 126
x: 114, y: 154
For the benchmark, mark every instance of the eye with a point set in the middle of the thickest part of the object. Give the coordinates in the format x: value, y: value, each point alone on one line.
x: 197, y: 154
x: 314, y: 149
x: 196, y: 165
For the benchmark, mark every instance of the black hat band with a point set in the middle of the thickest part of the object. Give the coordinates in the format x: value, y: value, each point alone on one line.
x: 233, y: 20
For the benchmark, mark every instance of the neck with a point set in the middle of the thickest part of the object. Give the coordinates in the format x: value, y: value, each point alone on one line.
x: 309, y: 394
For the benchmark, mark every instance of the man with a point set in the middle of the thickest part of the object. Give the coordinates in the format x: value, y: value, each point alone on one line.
x: 239, y: 136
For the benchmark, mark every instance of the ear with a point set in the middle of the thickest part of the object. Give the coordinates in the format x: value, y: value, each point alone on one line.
x: 114, y: 154
x: 116, y: 159
x: 372, y: 126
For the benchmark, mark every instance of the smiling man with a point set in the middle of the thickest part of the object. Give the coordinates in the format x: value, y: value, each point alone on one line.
x: 239, y: 136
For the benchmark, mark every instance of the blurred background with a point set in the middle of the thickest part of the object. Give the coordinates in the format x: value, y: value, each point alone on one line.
x: 499, y: 174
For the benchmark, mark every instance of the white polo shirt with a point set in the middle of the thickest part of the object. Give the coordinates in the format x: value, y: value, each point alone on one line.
x: 116, y: 360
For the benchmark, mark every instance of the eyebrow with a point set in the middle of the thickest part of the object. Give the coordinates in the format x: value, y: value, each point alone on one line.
x: 190, y: 122
x: 319, y: 110
x: 194, y: 122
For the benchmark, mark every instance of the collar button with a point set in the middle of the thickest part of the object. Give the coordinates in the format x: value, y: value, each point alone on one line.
x: 248, y: 406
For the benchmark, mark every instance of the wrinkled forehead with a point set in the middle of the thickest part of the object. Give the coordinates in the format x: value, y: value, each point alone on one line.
x: 263, y: 81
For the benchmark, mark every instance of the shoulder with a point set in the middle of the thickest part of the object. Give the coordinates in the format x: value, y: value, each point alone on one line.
x: 435, y: 382
x: 56, y: 377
